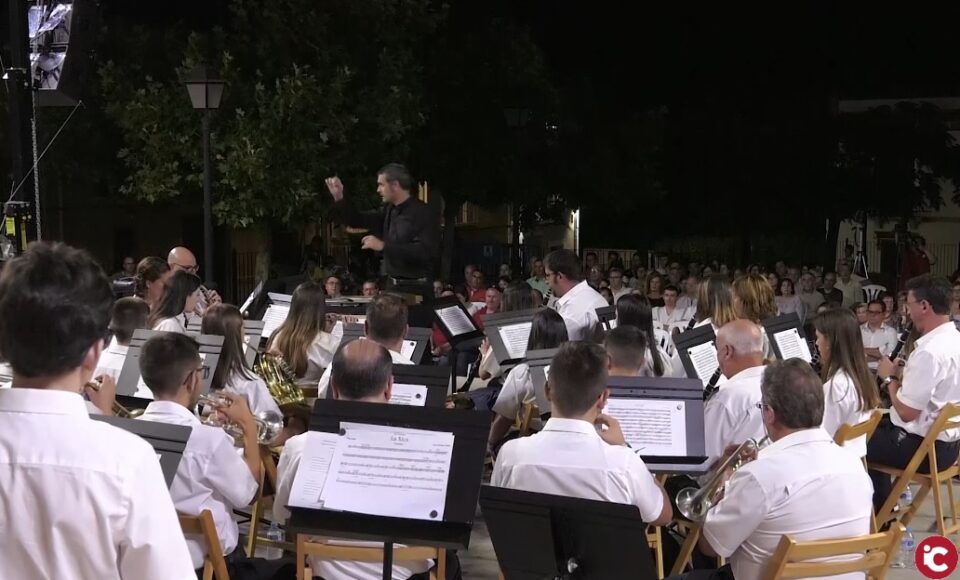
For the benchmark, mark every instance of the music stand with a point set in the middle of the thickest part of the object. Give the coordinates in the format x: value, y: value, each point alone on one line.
x: 252, y: 331
x: 470, y: 430
x: 539, y: 363
x: 697, y: 349
x: 787, y: 338
x: 245, y: 308
x: 436, y: 379
x: 129, y: 378
x: 682, y: 391
x: 276, y: 312
x: 508, y: 333
x: 607, y: 315
x: 348, y: 306
x: 167, y: 440
x: 538, y: 536
x: 449, y: 310
x: 414, y: 343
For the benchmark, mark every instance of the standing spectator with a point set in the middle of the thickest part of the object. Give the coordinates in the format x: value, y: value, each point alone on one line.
x: 614, y: 261
x: 916, y: 259
x: 476, y: 288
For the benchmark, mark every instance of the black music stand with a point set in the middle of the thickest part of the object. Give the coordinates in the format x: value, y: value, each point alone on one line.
x: 607, y: 315
x: 470, y: 430
x: 450, y: 306
x: 787, y: 323
x: 278, y: 307
x: 520, y: 321
x: 415, y: 342
x: 210, y: 347
x: 436, y: 379
x: 691, y: 339
x: 539, y: 536
x: 352, y: 306
x: 246, y: 307
x: 252, y: 333
x: 539, y: 362
x: 167, y: 440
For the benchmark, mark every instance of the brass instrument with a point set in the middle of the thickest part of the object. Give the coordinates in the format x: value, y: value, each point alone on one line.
x: 280, y: 380
x: 694, y: 503
x: 269, y: 423
x: 118, y: 409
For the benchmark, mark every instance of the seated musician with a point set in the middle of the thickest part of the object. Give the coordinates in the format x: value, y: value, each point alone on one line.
x: 930, y: 380
x: 78, y: 498
x: 572, y: 456
x: 128, y: 314
x: 386, y: 325
x: 731, y: 415
x: 211, y: 475
x: 362, y: 371
x: 305, y: 339
x: 627, y: 351
x: 802, y: 484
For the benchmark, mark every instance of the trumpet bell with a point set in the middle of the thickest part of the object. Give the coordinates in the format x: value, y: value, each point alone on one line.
x: 269, y: 426
x: 690, y: 505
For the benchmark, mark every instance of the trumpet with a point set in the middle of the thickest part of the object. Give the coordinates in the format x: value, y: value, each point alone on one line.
x: 694, y: 503
x: 269, y: 423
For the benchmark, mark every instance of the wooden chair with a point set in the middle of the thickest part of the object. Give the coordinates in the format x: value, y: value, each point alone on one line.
x: 655, y: 541
x: 259, y: 505
x: 794, y: 559
x: 308, y: 547
x: 848, y: 432
x: 528, y: 413
x: 214, y: 564
x: 905, y: 476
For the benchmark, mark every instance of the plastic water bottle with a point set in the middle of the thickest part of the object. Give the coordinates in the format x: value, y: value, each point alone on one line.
x: 904, y: 557
x: 906, y: 498
x: 274, y: 534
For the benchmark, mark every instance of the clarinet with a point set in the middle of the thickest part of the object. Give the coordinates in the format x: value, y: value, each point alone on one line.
x: 691, y: 324
x: 711, y: 387
x: 901, y: 341
x: 815, y: 358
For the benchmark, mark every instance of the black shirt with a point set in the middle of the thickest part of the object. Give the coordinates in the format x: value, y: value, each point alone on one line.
x: 410, y: 233
x: 834, y: 296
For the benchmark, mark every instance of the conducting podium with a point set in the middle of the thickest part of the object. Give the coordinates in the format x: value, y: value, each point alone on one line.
x: 787, y: 338
x: 167, y: 440
x: 539, y: 536
x: 129, y: 382
x: 391, y: 474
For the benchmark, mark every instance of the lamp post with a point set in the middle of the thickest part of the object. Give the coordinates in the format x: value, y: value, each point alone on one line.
x: 205, y: 90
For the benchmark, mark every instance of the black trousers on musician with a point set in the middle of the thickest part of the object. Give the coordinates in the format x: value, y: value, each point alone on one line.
x: 891, y: 445
x: 723, y: 573
x: 241, y: 567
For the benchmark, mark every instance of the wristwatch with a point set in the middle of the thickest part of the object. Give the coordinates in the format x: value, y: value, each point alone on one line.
x: 886, y: 382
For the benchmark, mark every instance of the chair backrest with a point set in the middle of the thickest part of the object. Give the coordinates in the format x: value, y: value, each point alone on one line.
x: 345, y: 552
x: 871, y: 554
x: 848, y: 432
x: 944, y: 421
x: 204, y: 526
x: 873, y: 291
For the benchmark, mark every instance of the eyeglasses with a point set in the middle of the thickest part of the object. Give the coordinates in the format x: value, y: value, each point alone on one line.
x: 204, y: 372
x: 761, y: 406
x: 191, y: 269
x: 874, y: 311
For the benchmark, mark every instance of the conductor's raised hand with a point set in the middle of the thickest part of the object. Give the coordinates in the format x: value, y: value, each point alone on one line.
x: 336, y: 187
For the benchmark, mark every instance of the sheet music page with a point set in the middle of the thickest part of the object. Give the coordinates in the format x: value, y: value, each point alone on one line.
x: 704, y: 359
x: 413, y: 395
x: 389, y: 472
x: 515, y: 337
x: 407, y: 349
x: 273, y: 318
x: 612, y: 323
x: 313, y: 468
x: 455, y: 320
x: 249, y: 301
x: 651, y: 427
x: 791, y: 345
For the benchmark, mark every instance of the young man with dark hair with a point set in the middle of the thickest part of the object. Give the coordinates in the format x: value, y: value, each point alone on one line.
x: 128, y: 315
x: 78, y: 497
x: 572, y: 456
x: 362, y: 372
x: 626, y: 349
x: 576, y: 301
x: 670, y: 315
x: 211, y: 475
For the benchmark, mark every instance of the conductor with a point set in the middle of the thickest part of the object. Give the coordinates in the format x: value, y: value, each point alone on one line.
x: 405, y: 230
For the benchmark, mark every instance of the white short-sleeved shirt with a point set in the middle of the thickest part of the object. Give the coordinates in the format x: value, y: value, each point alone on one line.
x: 569, y: 458
x: 319, y: 355
x: 211, y: 476
x: 731, y: 416
x: 517, y: 390
x: 666, y: 359
x: 931, y: 379
x: 111, y: 361
x: 842, y: 406
x: 679, y: 318
x: 331, y: 569
x: 885, y: 338
x: 684, y: 301
x: 255, y: 390
x: 398, y: 359
x: 803, y: 485
x: 176, y: 324
x: 81, y: 498
x: 578, y: 307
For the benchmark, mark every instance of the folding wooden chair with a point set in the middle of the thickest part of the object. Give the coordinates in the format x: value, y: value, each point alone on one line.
x: 655, y: 541
x: 848, y: 432
x: 214, y: 564
x: 795, y: 559
x: 259, y: 505
x: 309, y: 547
x: 528, y: 413
x: 933, y: 480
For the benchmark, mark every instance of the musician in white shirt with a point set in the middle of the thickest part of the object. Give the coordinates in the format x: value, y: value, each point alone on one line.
x: 306, y: 340
x: 731, y: 415
x: 802, y: 484
x: 128, y: 314
x: 361, y: 372
x: 670, y: 316
x: 878, y: 338
x: 930, y: 380
x: 572, y: 456
x: 386, y: 325
x: 180, y: 298
x: 850, y: 391
x: 577, y: 302
x: 78, y: 498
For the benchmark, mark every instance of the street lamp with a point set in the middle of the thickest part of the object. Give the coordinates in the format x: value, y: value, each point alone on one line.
x: 205, y: 89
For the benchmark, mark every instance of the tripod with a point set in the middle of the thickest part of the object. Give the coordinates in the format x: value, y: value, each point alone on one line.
x: 859, y: 266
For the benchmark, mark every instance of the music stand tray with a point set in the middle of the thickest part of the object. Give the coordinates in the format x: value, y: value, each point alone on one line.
x: 210, y: 347
x: 167, y: 440
x: 538, y: 536
x: 470, y: 430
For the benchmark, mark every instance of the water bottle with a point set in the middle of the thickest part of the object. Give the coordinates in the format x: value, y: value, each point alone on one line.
x: 274, y: 534
x: 909, y: 544
x: 906, y: 498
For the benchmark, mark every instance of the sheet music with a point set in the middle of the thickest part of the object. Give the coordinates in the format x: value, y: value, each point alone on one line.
x: 612, y: 323
x: 312, y: 471
x: 515, y: 337
x: 253, y: 295
x: 704, y: 359
x: 389, y: 472
x: 273, y: 318
x: 651, y: 427
x: 791, y: 345
x: 413, y: 395
x: 455, y: 320
x: 407, y: 349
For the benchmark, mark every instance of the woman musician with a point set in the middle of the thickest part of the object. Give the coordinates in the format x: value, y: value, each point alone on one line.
x: 305, y: 340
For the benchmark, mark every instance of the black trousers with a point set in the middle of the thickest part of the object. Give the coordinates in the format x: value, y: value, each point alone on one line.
x: 891, y: 445
x: 724, y: 573
x: 241, y: 567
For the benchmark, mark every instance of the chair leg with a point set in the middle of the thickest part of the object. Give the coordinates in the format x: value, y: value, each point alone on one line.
x: 441, y: 564
x: 658, y: 551
x: 938, y: 504
x: 886, y: 511
x: 255, y: 514
x: 907, y: 517
x: 686, y: 550
x: 207, y: 570
x: 955, y: 523
x: 301, y: 560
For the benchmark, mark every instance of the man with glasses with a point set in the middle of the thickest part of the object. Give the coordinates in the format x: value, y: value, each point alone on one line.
x: 918, y: 391
x: 181, y: 259
x: 576, y: 301
x: 878, y: 338
x: 617, y: 287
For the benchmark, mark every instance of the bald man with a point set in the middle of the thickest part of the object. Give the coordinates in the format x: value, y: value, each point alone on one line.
x: 362, y: 371
x: 731, y: 415
x: 181, y: 259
